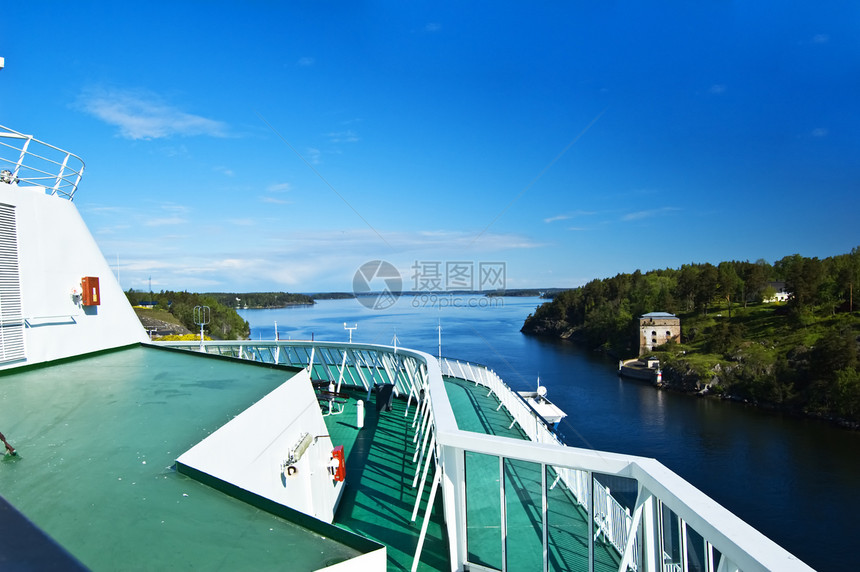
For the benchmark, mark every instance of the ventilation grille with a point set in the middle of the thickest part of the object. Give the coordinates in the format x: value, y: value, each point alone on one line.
x: 11, y: 318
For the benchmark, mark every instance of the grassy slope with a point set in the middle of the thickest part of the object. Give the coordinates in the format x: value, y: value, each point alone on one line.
x: 155, y: 314
x: 767, y: 337
x: 768, y: 325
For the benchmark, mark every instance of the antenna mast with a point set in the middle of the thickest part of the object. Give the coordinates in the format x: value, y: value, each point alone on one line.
x: 440, y: 340
x: 354, y: 327
x: 201, y: 318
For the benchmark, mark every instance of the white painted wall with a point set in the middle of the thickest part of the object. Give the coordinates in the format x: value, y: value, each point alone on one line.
x: 370, y: 562
x: 249, y: 450
x: 56, y: 250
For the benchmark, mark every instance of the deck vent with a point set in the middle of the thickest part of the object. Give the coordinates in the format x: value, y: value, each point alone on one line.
x: 11, y: 316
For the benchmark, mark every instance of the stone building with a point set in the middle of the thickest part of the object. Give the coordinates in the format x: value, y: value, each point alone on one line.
x: 657, y: 328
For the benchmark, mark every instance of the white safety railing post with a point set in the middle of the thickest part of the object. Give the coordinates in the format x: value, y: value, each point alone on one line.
x: 21, y: 157
x: 627, y: 551
x: 420, y: 445
x: 423, y: 478
x: 408, y: 400
x: 61, y: 173
x: 436, y: 479
x: 358, y: 368
x: 424, y: 416
x: 340, y: 374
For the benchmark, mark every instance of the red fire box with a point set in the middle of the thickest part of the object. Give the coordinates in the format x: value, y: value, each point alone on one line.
x: 340, y: 470
x: 90, y: 287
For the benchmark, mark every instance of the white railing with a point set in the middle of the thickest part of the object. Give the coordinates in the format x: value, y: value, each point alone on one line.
x: 612, y: 519
x: 528, y: 420
x: 26, y: 161
x: 440, y: 445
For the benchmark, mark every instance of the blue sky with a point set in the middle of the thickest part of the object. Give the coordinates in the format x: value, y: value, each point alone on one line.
x: 280, y: 145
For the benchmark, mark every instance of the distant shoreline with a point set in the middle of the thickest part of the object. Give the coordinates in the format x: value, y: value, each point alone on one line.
x: 520, y: 293
x: 287, y: 305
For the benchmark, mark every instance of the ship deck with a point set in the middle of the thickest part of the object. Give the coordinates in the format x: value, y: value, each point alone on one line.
x: 567, y: 525
x: 379, y: 498
x: 97, y: 438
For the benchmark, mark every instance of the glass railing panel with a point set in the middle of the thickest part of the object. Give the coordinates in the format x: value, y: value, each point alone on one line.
x: 696, y: 561
x: 670, y: 536
x: 483, y: 510
x: 567, y: 531
x: 523, y: 516
x: 716, y: 556
x: 614, y: 499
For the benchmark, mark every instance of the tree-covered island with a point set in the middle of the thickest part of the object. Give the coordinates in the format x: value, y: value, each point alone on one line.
x: 172, y: 313
x: 799, y: 356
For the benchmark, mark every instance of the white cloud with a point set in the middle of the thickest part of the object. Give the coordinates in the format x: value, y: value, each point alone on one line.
x: 639, y: 215
x: 306, y: 62
x: 276, y: 189
x: 820, y: 132
x: 107, y: 210
x: 141, y: 114
x: 221, y: 271
x: 165, y: 221
x: 108, y: 230
x: 567, y: 216
x: 432, y: 27
x: 174, y: 150
x: 820, y: 39
x: 243, y: 221
x: 556, y: 218
x: 456, y: 241
x: 291, y: 258
x: 348, y: 136
x: 717, y: 89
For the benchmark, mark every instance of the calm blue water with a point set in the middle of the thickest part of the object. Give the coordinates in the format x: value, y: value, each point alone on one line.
x: 795, y: 480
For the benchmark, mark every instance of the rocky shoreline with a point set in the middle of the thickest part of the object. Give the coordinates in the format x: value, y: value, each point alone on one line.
x: 681, y: 377
x: 157, y: 328
x: 548, y: 328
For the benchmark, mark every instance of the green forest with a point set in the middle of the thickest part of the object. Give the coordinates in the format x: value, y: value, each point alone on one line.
x: 799, y: 356
x: 260, y: 299
x: 224, y: 322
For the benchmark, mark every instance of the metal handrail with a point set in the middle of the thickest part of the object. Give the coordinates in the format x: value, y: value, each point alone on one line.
x: 25, y: 159
x: 613, y: 519
x: 530, y: 421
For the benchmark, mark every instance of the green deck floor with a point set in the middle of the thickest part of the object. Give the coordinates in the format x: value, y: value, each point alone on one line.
x: 97, y: 438
x: 567, y: 521
x: 478, y: 411
x: 379, y: 497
